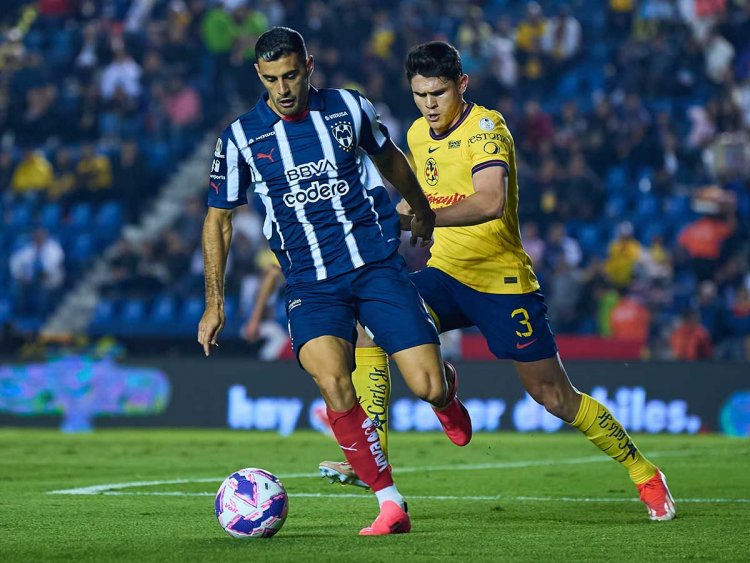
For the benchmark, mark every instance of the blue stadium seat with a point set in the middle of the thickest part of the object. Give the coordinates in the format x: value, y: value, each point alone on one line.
x: 108, y: 221
x: 50, y: 216
x: 81, y: 216
x: 132, y: 316
x: 616, y: 179
x: 589, y: 237
x: 648, y: 207
x: 80, y: 250
x: 6, y: 309
x: 21, y: 214
x: 105, y: 315
x: 192, y: 309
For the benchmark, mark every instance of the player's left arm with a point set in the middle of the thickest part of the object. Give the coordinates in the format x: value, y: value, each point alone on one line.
x: 485, y: 204
x: 393, y: 164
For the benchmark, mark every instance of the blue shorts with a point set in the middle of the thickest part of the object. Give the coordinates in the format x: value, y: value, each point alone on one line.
x: 378, y: 295
x: 515, y: 325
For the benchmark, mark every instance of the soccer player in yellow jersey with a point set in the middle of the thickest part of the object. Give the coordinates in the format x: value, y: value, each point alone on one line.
x: 479, y: 274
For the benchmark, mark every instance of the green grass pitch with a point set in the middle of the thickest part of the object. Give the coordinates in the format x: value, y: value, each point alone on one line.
x: 504, y: 497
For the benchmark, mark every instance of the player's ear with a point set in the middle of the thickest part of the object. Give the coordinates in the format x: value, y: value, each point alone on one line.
x: 309, y: 65
x: 257, y: 69
x: 463, y: 83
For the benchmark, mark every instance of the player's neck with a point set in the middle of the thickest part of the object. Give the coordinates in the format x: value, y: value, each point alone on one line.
x: 460, y: 114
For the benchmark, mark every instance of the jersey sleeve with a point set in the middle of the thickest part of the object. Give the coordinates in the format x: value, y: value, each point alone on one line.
x: 374, y: 135
x: 490, y: 144
x: 230, y: 176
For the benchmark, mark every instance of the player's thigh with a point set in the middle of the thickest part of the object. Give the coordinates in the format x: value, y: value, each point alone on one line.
x: 437, y: 289
x: 316, y: 311
x: 516, y: 327
x: 390, y: 309
x: 422, y: 369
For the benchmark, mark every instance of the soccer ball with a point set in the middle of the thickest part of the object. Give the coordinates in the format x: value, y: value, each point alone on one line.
x: 251, y: 503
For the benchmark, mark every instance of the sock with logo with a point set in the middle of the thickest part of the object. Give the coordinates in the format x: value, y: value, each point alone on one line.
x: 372, y: 382
x: 607, y: 434
x: 359, y: 440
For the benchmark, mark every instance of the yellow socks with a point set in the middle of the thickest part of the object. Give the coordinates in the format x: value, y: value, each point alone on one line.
x: 607, y: 434
x: 372, y: 382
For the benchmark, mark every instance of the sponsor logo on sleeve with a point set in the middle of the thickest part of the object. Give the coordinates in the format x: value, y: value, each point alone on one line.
x: 486, y: 124
x: 218, y: 149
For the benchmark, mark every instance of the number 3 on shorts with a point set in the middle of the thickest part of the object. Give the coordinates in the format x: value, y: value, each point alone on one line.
x: 524, y: 321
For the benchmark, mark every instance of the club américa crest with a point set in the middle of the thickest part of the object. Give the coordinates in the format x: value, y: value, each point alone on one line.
x: 431, y: 174
x: 342, y: 132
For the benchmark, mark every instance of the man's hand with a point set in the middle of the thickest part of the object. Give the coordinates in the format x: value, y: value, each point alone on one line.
x: 422, y: 225
x: 209, y: 328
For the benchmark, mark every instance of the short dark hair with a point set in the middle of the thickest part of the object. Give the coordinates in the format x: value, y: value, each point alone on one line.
x: 434, y: 59
x: 279, y: 42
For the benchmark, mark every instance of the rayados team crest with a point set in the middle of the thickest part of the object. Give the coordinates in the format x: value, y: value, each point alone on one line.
x: 431, y: 174
x: 342, y: 132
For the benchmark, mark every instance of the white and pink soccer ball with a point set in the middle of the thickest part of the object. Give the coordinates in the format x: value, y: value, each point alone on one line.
x: 251, y: 503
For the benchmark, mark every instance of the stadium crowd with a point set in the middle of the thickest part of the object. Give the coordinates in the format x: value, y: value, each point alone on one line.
x: 631, y: 119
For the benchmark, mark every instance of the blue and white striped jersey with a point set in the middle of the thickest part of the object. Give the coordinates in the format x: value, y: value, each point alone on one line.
x: 326, y: 209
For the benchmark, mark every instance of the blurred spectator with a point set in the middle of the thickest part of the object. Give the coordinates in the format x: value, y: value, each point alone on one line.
x: 630, y: 320
x: 561, y: 248
x: 703, y: 240
x: 182, y: 104
x: 537, y: 127
x: 38, y: 271
x: 583, y: 195
x: 33, y: 173
x: 719, y: 56
x: 532, y: 242
x: 690, y: 340
x: 562, y: 38
x: 122, y: 74
x: 529, y: 34
x: 94, y: 174
x: 65, y: 180
x: 624, y: 253
x: 133, y: 184
x: 503, y: 65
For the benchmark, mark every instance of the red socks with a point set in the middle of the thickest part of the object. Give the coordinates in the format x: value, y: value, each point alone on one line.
x: 359, y: 440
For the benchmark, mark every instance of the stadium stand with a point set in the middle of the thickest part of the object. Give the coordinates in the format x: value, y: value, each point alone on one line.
x: 632, y: 122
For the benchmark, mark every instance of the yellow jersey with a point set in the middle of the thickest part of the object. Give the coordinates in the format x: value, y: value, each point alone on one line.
x: 488, y: 257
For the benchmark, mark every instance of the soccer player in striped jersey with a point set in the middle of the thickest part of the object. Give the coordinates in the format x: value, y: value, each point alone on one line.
x: 479, y: 274
x: 314, y: 157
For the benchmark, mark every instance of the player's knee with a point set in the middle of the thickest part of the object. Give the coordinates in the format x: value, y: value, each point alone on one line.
x: 336, y: 389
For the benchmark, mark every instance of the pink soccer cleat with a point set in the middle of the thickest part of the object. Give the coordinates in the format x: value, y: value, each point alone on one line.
x: 392, y: 520
x: 454, y: 418
x: 657, y: 498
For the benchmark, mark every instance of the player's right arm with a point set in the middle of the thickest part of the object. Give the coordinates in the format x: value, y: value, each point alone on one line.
x: 217, y: 237
x: 228, y: 181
